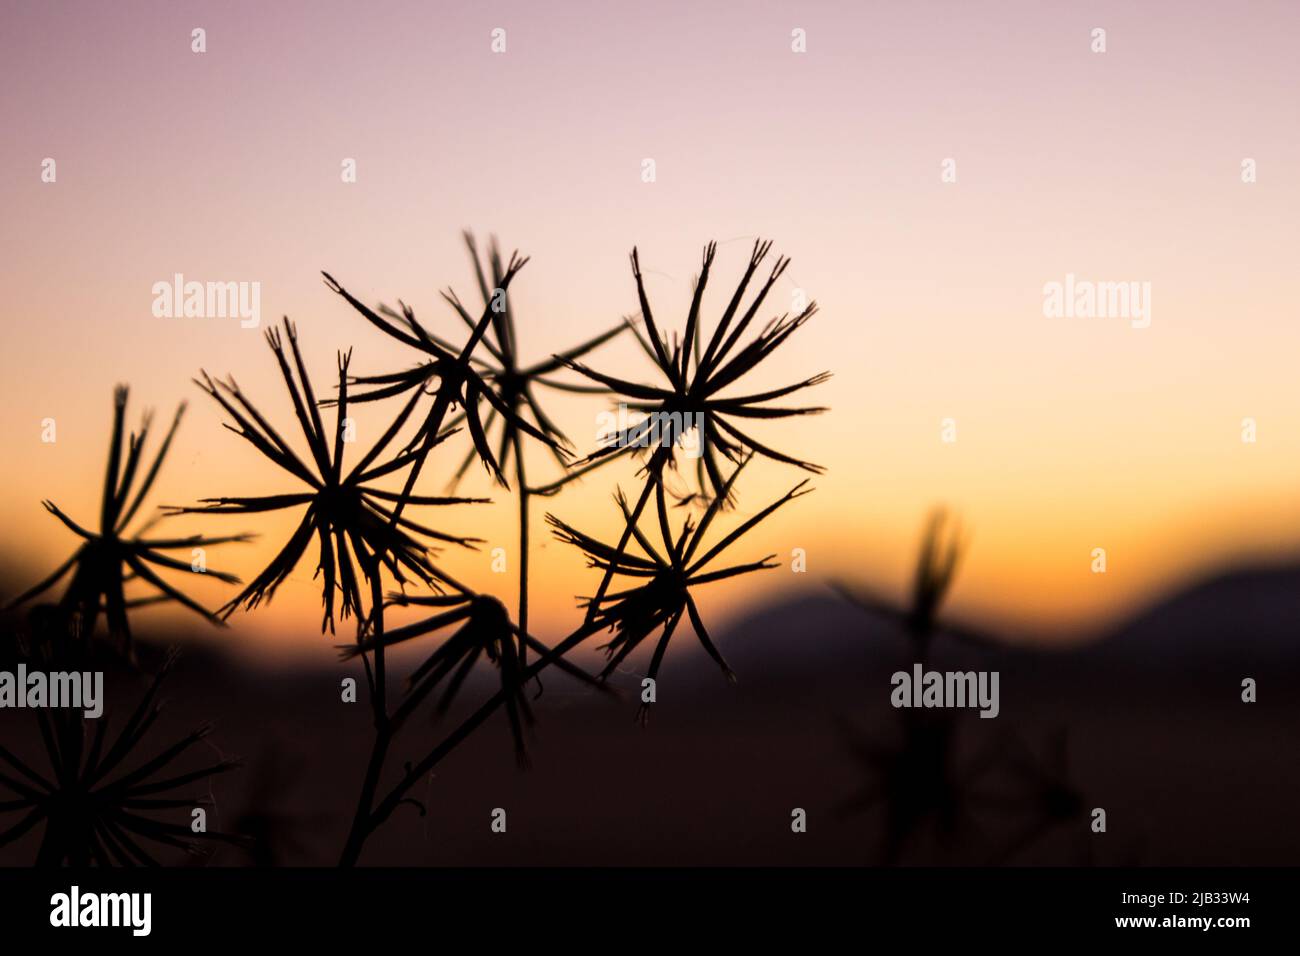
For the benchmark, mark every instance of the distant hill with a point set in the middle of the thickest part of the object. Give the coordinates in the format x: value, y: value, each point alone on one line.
x: 1239, y: 617
x: 1249, y: 615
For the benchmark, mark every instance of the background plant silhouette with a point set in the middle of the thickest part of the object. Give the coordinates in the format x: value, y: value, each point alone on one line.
x: 100, y: 799
x: 940, y: 553
x: 111, y: 557
x: 920, y: 779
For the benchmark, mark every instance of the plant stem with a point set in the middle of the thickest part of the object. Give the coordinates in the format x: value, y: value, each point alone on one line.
x: 384, y: 727
x: 521, y: 481
x: 383, y: 732
x: 547, y: 491
x: 367, y: 820
x: 654, y: 474
x: 434, y: 424
x: 472, y: 723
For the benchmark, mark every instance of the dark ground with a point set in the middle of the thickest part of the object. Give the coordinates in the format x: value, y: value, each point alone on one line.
x: 1147, y: 723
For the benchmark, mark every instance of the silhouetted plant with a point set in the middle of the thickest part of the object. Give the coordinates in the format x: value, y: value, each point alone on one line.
x: 101, y: 799
x: 461, y: 378
x: 109, y: 558
x: 936, y: 567
x: 517, y: 387
x: 916, y: 781
x: 458, y: 382
x: 360, y: 528
x: 695, y: 375
x: 690, y: 397
x: 96, y: 810
x: 637, y: 612
x: 1055, y: 802
x: 633, y: 613
x: 356, y: 524
x: 485, y: 629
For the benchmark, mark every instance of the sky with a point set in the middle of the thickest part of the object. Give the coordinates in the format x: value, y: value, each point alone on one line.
x: 1071, y: 433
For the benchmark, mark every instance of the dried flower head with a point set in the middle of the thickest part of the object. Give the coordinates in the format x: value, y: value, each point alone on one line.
x: 354, y: 522
x: 485, y: 630
x: 107, y: 559
x: 696, y: 375
x: 515, y: 385
x: 451, y: 374
x: 669, y: 572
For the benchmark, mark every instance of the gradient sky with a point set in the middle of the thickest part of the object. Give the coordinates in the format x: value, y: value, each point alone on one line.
x: 1072, y: 434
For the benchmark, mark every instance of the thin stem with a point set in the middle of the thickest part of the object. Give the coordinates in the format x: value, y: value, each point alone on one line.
x: 654, y: 474
x: 436, y: 415
x: 472, y: 723
x: 441, y: 404
x: 521, y: 482
x: 383, y: 731
x: 547, y: 491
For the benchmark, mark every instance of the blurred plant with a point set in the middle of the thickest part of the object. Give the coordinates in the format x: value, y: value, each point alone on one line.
x: 110, y: 558
x: 1055, y: 802
x: 942, y: 546
x: 275, y: 831
x: 94, y: 809
x: 916, y: 781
